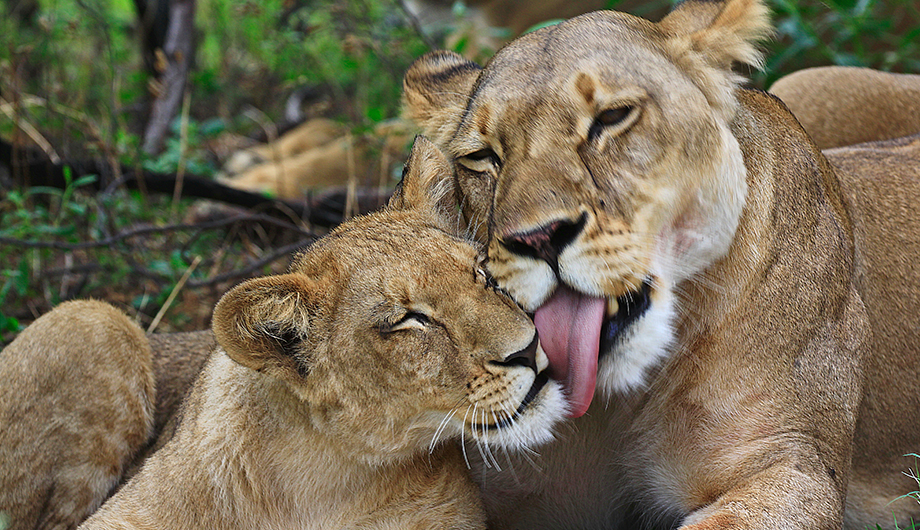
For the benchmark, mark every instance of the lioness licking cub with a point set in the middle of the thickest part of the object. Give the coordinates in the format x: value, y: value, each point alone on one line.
x: 735, y: 315
x: 336, y: 386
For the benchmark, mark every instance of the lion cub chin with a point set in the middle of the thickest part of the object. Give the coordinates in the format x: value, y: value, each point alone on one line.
x: 339, y: 389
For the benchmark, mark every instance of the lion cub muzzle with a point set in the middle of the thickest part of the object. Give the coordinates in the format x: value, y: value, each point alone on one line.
x: 523, y: 374
x: 526, y: 357
x: 533, y: 358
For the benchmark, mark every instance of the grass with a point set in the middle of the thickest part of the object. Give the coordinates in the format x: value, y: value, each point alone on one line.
x: 121, y: 247
x: 914, y: 474
x: 73, y: 76
x: 869, y: 33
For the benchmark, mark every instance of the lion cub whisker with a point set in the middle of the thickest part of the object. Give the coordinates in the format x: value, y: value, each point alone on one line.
x: 441, y: 427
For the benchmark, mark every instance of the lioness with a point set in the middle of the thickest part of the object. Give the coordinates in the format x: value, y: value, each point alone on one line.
x: 734, y: 316
x: 336, y: 387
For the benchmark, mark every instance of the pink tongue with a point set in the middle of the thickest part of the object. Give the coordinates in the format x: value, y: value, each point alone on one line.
x: 569, y: 324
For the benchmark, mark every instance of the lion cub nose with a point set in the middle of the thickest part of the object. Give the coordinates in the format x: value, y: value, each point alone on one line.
x: 546, y: 242
x: 526, y: 357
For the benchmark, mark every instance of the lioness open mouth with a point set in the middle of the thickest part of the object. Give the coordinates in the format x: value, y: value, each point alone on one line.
x: 576, y: 330
x: 631, y: 306
x: 538, y: 383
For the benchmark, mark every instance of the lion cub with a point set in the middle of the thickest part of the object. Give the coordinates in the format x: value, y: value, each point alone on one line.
x: 338, y: 388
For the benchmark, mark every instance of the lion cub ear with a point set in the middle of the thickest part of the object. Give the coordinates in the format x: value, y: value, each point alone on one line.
x: 720, y: 32
x: 264, y: 323
x: 427, y: 186
x: 436, y: 88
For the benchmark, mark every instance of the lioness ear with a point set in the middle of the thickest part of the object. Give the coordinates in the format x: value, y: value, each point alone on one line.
x: 264, y: 323
x: 705, y: 37
x: 436, y: 88
x: 427, y: 186
x: 721, y: 32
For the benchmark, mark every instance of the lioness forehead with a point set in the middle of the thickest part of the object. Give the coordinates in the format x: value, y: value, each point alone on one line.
x: 539, y: 58
x: 599, y: 52
x: 576, y: 38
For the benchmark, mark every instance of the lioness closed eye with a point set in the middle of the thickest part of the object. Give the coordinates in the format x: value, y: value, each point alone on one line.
x: 734, y: 315
x: 336, y: 386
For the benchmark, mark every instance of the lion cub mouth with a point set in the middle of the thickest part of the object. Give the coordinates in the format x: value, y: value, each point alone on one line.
x: 621, y: 312
x: 507, y: 421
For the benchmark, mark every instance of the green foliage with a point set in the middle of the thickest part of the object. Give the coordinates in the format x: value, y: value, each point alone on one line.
x: 185, y: 148
x: 914, y: 474
x: 9, y: 325
x: 38, y: 213
x: 57, y: 244
x: 358, y: 49
x: 870, y: 33
x: 77, y: 55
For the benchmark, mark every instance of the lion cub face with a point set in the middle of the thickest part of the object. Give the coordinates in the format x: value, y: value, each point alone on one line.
x: 594, y: 158
x: 393, y: 335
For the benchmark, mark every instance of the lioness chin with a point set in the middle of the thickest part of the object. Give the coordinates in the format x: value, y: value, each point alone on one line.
x: 735, y: 317
x: 338, y: 390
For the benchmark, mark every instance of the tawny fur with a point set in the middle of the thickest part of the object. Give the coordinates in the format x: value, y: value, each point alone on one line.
x: 76, y: 405
x: 245, y: 456
x: 697, y: 407
x: 840, y: 106
x: 306, y: 136
x: 773, y: 381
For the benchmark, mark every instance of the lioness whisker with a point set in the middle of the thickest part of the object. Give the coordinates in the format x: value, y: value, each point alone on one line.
x: 486, y: 447
x: 492, y: 461
x: 478, y: 437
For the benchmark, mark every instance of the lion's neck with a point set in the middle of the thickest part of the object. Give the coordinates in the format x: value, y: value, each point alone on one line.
x: 787, y: 181
x: 265, y: 458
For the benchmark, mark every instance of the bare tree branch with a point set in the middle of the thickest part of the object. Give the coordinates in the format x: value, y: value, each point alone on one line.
x: 177, y: 53
x: 325, y: 209
x: 147, y: 230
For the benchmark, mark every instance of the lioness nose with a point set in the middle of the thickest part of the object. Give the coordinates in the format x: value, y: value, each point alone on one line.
x: 526, y: 357
x: 547, y: 241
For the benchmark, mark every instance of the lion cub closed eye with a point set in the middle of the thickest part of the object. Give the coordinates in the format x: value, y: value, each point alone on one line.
x: 339, y: 388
